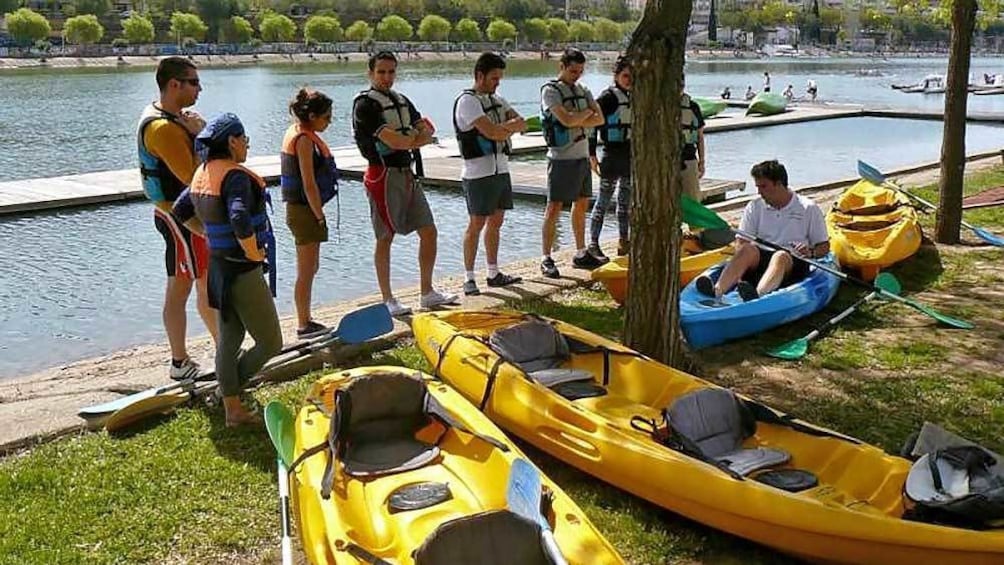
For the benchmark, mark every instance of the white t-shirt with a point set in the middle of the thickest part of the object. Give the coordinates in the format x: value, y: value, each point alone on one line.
x: 469, y: 109
x: 801, y: 221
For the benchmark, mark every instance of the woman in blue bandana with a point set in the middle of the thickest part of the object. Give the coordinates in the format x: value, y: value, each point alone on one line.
x: 230, y: 200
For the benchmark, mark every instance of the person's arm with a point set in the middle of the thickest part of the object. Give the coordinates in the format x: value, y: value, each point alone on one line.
x: 238, y: 196
x: 513, y: 121
x: 305, y: 159
x: 469, y: 111
x: 184, y: 210
x: 170, y: 143
x: 595, y: 118
x: 568, y: 118
x: 748, y: 224
x: 701, y: 155
x: 819, y: 237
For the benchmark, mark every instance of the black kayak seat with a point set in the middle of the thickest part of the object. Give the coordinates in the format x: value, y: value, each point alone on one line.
x: 497, y: 537
x: 717, y: 422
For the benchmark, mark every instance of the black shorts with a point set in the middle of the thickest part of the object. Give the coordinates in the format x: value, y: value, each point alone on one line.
x: 799, y: 270
x: 488, y: 195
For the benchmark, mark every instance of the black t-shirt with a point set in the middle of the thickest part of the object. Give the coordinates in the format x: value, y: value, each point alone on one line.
x: 690, y: 149
x: 608, y: 104
x: 367, y: 121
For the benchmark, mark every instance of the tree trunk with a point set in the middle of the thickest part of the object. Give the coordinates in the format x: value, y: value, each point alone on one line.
x: 953, y: 142
x: 657, y: 48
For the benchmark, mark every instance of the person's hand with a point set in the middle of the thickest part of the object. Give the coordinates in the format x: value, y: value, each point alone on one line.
x: 594, y: 164
x: 700, y: 169
x: 425, y: 125
x: 799, y: 247
x: 258, y: 256
x: 192, y: 121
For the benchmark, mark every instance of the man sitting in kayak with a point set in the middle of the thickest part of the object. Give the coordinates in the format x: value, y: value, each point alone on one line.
x: 779, y: 216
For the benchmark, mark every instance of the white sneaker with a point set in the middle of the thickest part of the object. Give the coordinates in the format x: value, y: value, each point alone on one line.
x: 435, y: 298
x: 187, y: 371
x: 396, y: 308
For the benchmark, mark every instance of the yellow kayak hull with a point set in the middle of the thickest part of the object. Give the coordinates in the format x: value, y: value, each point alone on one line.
x: 476, y: 473
x: 614, y: 274
x: 852, y: 516
x: 872, y: 228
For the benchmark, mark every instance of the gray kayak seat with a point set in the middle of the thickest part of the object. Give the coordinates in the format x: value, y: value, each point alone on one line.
x: 497, y: 537
x: 539, y: 350
x: 717, y: 423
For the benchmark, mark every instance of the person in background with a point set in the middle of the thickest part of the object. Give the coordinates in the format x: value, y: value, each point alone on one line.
x: 750, y: 93
x: 484, y: 122
x: 389, y: 130
x: 694, y: 153
x: 726, y: 93
x: 766, y: 81
x: 230, y: 202
x: 309, y: 180
x: 615, y: 167
x: 167, y: 161
x: 811, y: 89
x: 568, y: 110
x: 789, y: 93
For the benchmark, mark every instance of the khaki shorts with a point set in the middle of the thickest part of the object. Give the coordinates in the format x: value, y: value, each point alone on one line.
x: 691, y: 180
x: 305, y: 227
x: 397, y: 202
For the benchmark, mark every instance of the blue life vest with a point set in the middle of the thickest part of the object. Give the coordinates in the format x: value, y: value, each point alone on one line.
x: 159, y: 183
x: 617, y: 126
x: 573, y: 98
x: 472, y: 143
x: 325, y: 171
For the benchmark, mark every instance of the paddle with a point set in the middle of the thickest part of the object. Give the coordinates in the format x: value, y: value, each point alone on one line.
x: 873, y: 175
x: 947, y: 320
x: 279, y: 423
x: 797, y: 349
x: 355, y: 327
x: 523, y: 497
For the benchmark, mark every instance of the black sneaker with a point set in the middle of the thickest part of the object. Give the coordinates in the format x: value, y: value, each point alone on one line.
x: 747, y: 291
x: 549, y: 269
x: 502, y: 279
x: 313, y: 329
x: 586, y: 261
x: 471, y: 288
x: 595, y: 251
x: 705, y: 285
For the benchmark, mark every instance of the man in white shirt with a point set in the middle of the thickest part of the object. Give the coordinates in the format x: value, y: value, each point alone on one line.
x: 783, y: 218
x: 484, y: 122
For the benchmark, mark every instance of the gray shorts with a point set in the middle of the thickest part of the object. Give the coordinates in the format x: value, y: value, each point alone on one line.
x: 397, y: 202
x: 487, y: 195
x: 568, y: 180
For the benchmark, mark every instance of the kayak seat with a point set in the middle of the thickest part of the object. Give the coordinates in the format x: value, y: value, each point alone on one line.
x: 539, y: 350
x: 717, y: 423
x: 497, y: 537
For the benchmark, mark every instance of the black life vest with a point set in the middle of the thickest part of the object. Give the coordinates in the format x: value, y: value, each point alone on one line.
x: 617, y: 126
x: 472, y: 143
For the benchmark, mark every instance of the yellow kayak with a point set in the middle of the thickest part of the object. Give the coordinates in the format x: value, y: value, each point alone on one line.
x: 872, y: 227
x: 614, y: 274
x: 408, y: 482
x: 725, y: 460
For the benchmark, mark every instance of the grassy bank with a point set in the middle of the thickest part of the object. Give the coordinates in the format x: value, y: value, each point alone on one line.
x: 184, y: 489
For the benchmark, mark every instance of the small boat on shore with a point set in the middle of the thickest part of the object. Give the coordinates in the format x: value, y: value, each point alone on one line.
x: 710, y: 107
x: 767, y: 104
x: 992, y: 91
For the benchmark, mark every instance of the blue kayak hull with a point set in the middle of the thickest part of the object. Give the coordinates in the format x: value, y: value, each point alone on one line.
x: 706, y: 322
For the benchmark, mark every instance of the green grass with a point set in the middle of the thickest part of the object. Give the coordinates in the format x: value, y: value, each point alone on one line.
x: 977, y: 182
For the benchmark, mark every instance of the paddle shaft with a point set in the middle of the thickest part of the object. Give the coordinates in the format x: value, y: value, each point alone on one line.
x: 844, y: 276
x: 287, y: 542
x: 825, y: 326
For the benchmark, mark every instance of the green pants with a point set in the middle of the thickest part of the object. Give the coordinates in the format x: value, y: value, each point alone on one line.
x: 248, y: 309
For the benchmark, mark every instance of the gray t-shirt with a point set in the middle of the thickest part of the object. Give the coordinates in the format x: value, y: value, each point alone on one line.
x: 551, y: 96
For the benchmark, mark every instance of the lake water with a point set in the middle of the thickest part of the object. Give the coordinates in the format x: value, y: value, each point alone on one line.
x: 88, y: 281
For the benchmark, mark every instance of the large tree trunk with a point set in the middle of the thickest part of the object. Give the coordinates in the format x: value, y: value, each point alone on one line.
x: 657, y: 50
x: 953, y: 142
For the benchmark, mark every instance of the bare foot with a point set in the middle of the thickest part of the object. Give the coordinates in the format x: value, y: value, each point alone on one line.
x: 243, y: 418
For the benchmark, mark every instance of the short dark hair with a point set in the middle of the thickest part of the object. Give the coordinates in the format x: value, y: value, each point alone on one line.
x: 572, y: 55
x: 382, y: 56
x: 488, y: 62
x: 309, y: 102
x: 172, y: 68
x: 622, y: 62
x: 771, y: 170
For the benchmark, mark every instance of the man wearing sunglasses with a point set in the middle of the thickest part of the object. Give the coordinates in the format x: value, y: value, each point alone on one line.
x: 165, y: 141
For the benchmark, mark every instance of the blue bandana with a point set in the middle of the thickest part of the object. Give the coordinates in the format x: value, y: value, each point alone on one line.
x: 217, y: 133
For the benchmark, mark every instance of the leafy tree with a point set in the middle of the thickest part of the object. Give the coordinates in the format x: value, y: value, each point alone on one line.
x: 137, y: 30
x: 184, y: 24
x: 97, y: 7
x: 452, y: 10
x: 467, y: 30
x: 394, y: 28
x: 277, y: 28
x: 359, y: 31
x: 411, y: 10
x: 216, y: 13
x: 581, y: 31
x: 83, y: 30
x: 831, y: 18
x: 518, y: 10
x: 616, y: 10
x: 238, y: 30
x: 500, y: 30
x: 8, y: 6
x: 27, y: 26
x: 480, y: 10
x: 874, y: 19
x: 434, y: 28
x: 323, y: 29
x: 608, y: 31
x: 557, y: 30
x: 535, y: 30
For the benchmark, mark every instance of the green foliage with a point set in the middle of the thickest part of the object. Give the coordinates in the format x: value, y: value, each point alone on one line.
x: 394, y: 28
x: 581, y: 31
x: 616, y: 10
x: 277, y: 28
x: 137, y: 30
x: 608, y: 31
x: 216, y: 14
x: 27, y: 26
x: 83, y: 30
x: 96, y: 7
x: 323, y: 29
x: 557, y: 30
x: 359, y: 31
x: 480, y: 10
x: 500, y: 30
x: 120, y: 42
x: 519, y: 10
x: 831, y: 18
x: 877, y: 20
x: 8, y: 6
x: 238, y: 30
x: 467, y: 30
x: 411, y: 10
x: 185, y: 24
x: 434, y: 28
x: 535, y: 30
